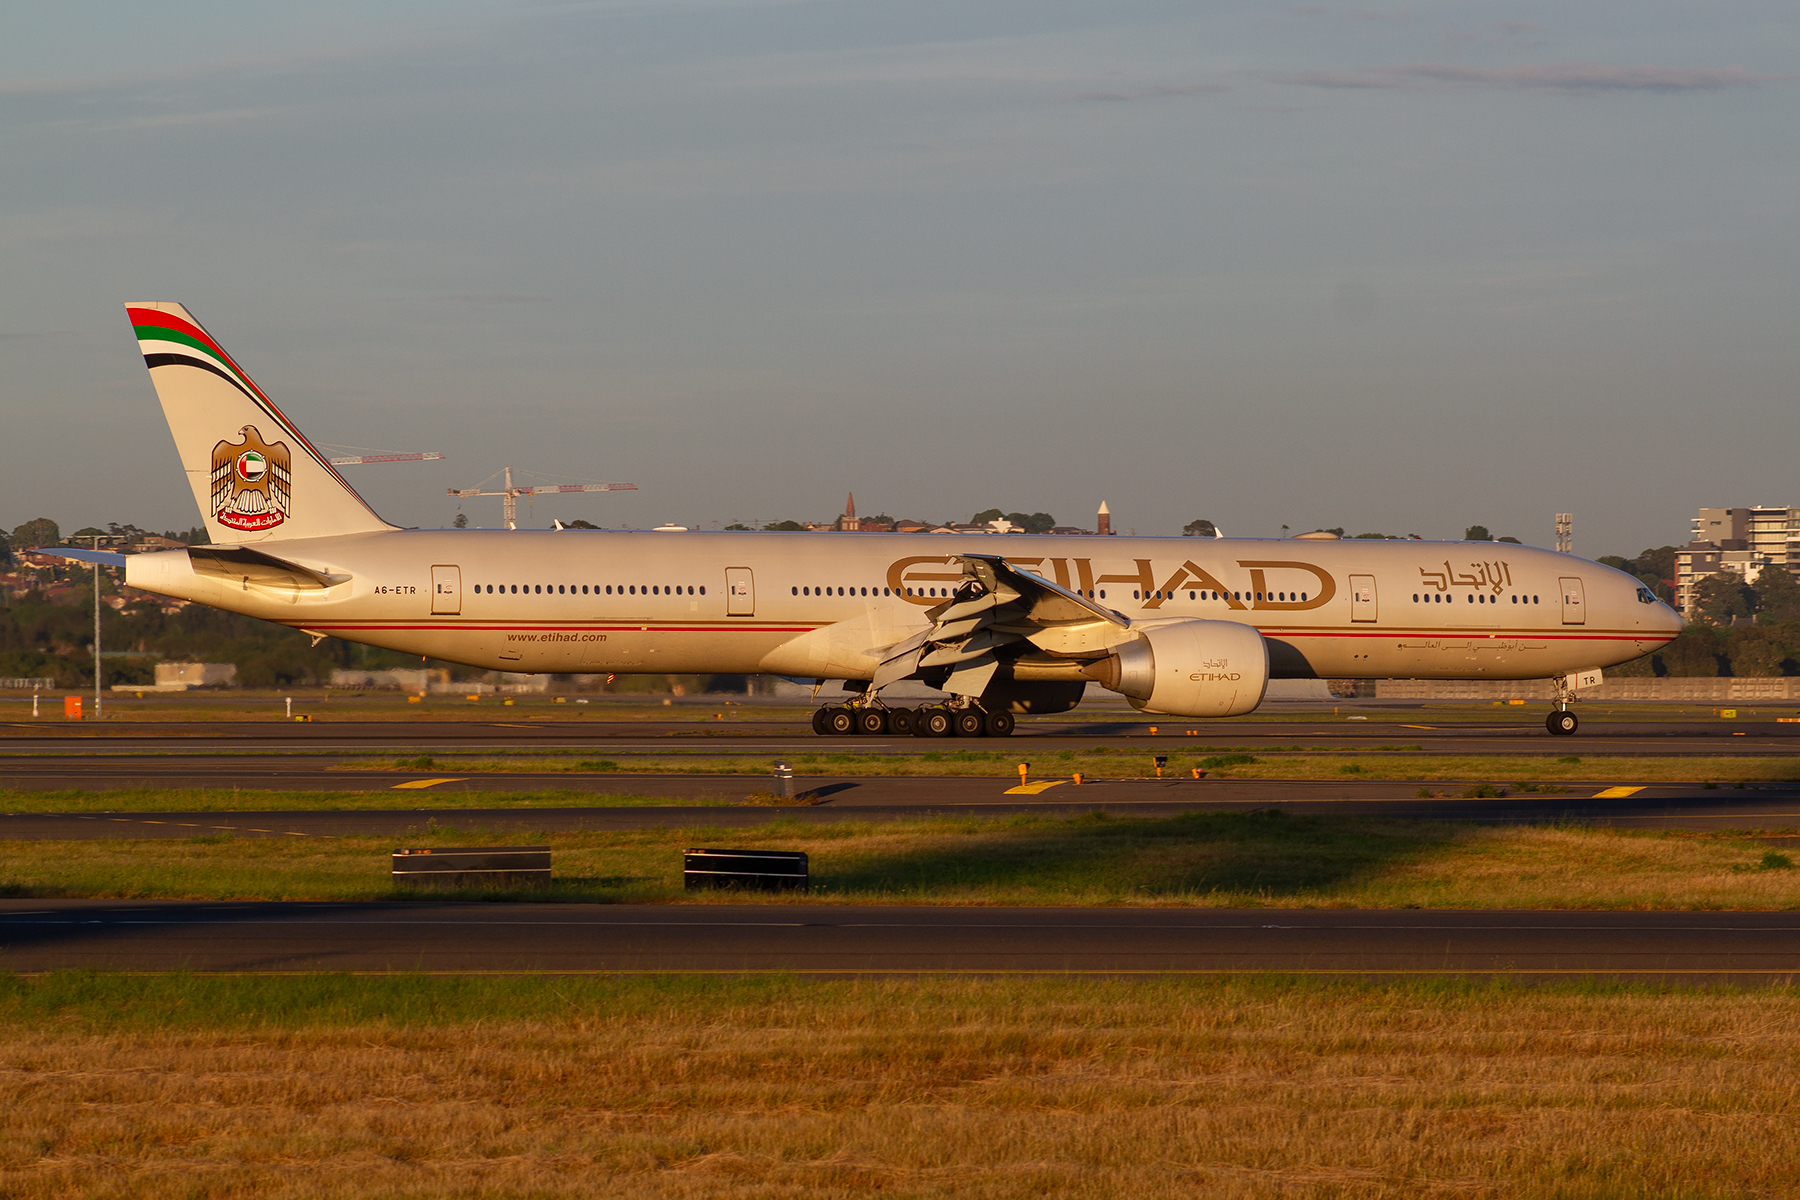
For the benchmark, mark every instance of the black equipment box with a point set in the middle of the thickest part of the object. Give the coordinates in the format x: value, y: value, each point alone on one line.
x: 752, y: 870
x: 472, y: 867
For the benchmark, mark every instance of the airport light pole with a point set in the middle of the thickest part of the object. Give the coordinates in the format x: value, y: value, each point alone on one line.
x: 97, y: 667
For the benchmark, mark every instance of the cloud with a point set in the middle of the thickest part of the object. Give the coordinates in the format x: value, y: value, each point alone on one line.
x: 1155, y: 93
x: 1554, y: 77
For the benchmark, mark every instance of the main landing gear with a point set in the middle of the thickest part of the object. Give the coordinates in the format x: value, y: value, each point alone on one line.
x: 938, y: 720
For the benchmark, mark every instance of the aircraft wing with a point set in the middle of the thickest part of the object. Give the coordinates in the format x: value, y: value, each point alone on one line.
x: 999, y: 611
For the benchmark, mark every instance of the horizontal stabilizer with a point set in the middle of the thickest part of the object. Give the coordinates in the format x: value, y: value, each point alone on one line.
x: 242, y: 564
x: 105, y: 558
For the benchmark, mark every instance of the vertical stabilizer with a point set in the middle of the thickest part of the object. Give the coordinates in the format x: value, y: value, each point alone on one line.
x: 254, y: 474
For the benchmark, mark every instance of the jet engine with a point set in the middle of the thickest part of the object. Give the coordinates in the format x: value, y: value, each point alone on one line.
x: 1188, y: 668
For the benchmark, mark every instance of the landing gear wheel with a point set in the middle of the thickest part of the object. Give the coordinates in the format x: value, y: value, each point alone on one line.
x: 1563, y: 722
x: 971, y: 722
x: 818, y: 722
x: 1000, y: 724
x: 901, y: 721
x: 934, y: 722
x: 840, y: 721
x: 872, y: 722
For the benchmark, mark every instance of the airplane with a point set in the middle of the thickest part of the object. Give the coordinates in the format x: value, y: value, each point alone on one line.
x: 1005, y: 624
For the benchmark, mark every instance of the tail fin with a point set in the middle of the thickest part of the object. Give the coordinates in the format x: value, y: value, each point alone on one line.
x: 254, y: 474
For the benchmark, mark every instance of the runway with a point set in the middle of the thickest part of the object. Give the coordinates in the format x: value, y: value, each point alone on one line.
x: 824, y: 939
x: 1659, y: 806
x: 1504, y: 733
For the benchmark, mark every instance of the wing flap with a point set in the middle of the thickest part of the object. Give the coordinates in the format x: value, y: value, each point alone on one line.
x: 998, y: 609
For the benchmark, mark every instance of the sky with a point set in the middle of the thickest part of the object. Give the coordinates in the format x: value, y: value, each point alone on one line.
x: 1400, y: 269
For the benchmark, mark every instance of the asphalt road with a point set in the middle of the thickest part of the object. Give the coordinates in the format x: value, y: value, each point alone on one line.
x: 1507, y: 733
x: 414, y: 937
x: 1660, y: 806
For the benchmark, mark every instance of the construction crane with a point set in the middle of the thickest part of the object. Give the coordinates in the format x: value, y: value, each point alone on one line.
x: 509, y: 496
x: 350, y: 460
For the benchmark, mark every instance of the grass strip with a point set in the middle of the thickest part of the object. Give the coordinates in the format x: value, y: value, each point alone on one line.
x: 1201, y: 859
x: 328, y: 1086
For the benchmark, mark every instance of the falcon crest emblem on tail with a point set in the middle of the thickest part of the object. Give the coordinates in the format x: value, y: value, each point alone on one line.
x: 251, y: 482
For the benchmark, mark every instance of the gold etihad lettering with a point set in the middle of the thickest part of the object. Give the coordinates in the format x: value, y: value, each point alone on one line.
x: 1266, y: 600
x: 1193, y: 575
x: 1494, y: 576
x: 911, y: 578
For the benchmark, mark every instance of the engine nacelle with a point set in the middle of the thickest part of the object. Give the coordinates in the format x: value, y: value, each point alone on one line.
x: 1189, y: 669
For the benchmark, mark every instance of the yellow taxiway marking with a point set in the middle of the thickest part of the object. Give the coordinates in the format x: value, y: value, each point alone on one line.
x: 425, y: 783
x: 1032, y: 789
x: 1418, y: 727
x: 1617, y: 793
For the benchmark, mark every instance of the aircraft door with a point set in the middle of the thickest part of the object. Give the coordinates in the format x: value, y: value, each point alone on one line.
x: 1574, y: 610
x: 1362, y: 598
x: 740, y: 592
x: 446, y: 591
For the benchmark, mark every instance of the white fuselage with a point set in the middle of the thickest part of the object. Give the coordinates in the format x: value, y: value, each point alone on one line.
x: 818, y: 605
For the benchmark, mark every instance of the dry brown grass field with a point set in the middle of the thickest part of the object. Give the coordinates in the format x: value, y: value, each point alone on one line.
x: 330, y: 1086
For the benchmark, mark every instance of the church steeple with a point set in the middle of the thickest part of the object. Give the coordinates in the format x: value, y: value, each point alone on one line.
x: 1104, y: 524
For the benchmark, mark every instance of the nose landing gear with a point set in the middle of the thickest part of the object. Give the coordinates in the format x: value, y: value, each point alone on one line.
x: 1562, y: 722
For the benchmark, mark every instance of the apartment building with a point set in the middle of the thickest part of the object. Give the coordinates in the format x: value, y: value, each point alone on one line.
x: 1744, y: 541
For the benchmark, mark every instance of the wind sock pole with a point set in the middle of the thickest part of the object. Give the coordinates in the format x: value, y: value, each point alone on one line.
x: 97, y: 713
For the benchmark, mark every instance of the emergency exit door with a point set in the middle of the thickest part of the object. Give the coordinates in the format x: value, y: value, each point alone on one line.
x: 446, y: 591
x: 740, y: 592
x: 1362, y: 597
x: 1574, y: 611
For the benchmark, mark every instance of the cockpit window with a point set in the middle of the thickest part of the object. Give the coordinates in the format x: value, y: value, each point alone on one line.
x: 1646, y: 596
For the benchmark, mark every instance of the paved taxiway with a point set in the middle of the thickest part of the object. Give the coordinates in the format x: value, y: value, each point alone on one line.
x: 1659, y: 806
x: 1505, y: 734
x: 405, y: 937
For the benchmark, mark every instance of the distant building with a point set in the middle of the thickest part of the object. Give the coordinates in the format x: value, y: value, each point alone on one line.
x: 175, y: 676
x: 849, y: 522
x: 1103, y: 523
x: 1743, y: 541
